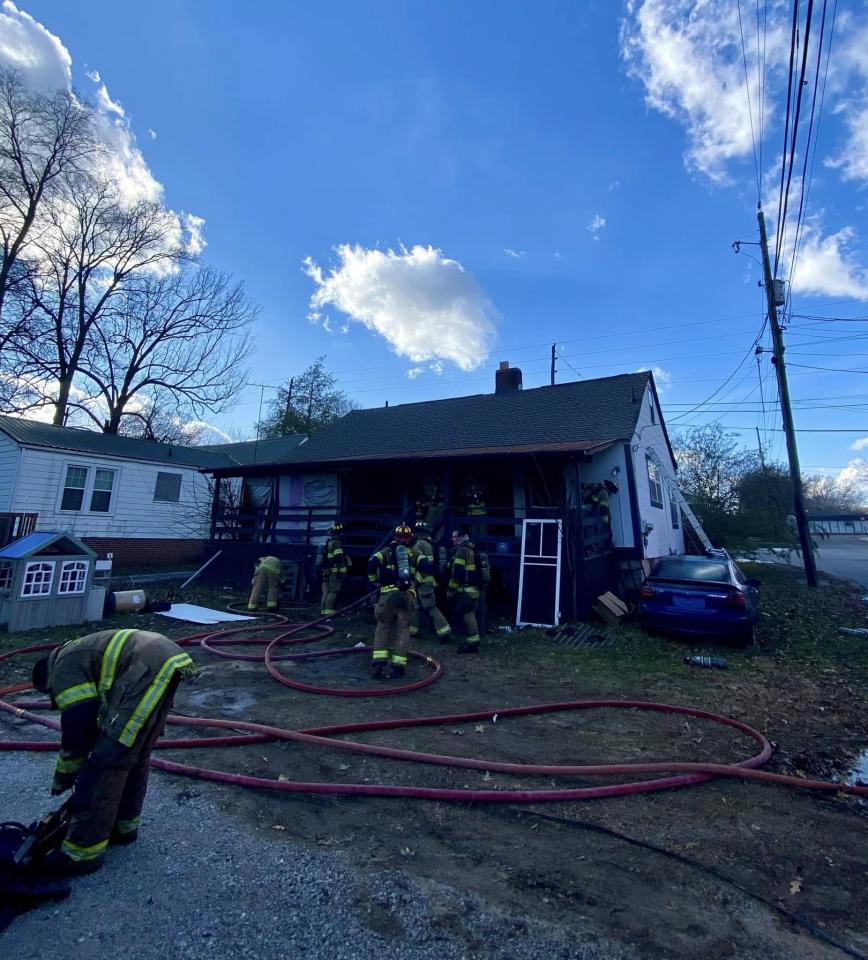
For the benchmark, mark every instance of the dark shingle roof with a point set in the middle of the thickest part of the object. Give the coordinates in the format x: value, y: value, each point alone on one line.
x: 33, y: 433
x: 569, y: 416
x: 249, y: 452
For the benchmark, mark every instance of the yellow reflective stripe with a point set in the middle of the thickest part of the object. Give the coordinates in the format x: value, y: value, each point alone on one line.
x: 399, y: 660
x: 77, y: 853
x: 388, y: 589
x: 152, y: 697
x: 380, y: 655
x: 68, y: 764
x: 473, y: 639
x: 443, y: 631
x: 77, y: 694
x: 459, y: 562
x: 128, y: 826
x: 110, y: 659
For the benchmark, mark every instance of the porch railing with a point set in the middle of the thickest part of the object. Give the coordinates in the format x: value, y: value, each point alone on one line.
x: 14, y: 526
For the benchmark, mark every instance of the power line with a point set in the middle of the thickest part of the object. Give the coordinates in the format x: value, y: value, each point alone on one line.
x: 749, y: 107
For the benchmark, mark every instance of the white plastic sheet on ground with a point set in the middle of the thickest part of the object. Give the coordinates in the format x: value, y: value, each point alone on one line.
x: 189, y: 611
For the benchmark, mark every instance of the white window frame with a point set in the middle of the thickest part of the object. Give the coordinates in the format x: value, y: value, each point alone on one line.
x: 87, y: 499
x: 654, y: 482
x: 37, y: 567
x: 63, y: 487
x: 674, y: 509
x: 78, y: 582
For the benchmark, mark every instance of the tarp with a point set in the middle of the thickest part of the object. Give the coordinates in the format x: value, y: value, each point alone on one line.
x: 194, y: 614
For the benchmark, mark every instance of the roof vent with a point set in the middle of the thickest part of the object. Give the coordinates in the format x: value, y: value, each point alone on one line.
x: 507, y: 379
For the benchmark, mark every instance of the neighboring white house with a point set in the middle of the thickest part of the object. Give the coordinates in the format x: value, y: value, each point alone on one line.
x: 141, y: 500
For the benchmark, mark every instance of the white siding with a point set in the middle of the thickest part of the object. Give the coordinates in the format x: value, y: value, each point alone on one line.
x: 611, y: 465
x: 649, y: 439
x: 8, y: 470
x: 134, y: 513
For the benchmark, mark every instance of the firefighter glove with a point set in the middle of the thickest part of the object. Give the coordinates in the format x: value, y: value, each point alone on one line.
x: 61, y: 783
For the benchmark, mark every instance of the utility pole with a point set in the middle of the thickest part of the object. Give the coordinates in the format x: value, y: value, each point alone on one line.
x: 554, y: 359
x: 759, y: 446
x: 288, y: 410
x: 786, y: 410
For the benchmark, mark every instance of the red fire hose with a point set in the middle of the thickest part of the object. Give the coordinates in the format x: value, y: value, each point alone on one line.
x: 247, y: 733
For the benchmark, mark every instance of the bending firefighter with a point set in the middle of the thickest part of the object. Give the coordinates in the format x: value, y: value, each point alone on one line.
x: 266, y: 574
x: 392, y: 568
x: 426, y: 585
x: 113, y: 689
x: 464, y: 579
x: 333, y: 566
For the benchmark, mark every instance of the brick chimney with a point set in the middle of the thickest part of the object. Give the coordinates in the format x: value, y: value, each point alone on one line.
x: 507, y: 379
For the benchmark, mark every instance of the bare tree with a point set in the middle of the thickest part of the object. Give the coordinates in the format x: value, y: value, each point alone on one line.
x: 825, y: 494
x: 42, y: 139
x: 170, y: 349
x: 94, y: 247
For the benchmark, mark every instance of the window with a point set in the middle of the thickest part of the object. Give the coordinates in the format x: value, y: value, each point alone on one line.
x: 691, y: 568
x: 73, y: 489
x: 673, y: 507
x: 655, y: 484
x: 73, y: 576
x: 38, y: 575
x: 5, y: 574
x: 168, y: 488
x: 101, y: 497
x: 87, y: 488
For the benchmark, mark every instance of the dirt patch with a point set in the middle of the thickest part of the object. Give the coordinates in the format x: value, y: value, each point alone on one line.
x: 723, y: 869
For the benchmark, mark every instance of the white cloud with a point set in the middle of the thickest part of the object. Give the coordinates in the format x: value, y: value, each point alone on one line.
x: 856, y: 472
x: 152, y: 133
x: 849, y: 78
x: 614, y: 185
x: 859, y: 444
x: 26, y: 45
x: 515, y: 254
x: 425, y: 305
x: 436, y: 367
x: 597, y: 224
x: 414, y: 372
x: 828, y: 265
x: 662, y: 378
x: 688, y: 55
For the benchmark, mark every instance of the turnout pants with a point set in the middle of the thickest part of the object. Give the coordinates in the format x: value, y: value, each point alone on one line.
x: 392, y: 634
x: 261, y: 580
x: 427, y: 604
x: 464, y: 607
x: 331, y: 587
x: 110, y: 789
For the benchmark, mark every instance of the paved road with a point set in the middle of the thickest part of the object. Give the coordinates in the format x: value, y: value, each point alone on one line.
x: 844, y: 557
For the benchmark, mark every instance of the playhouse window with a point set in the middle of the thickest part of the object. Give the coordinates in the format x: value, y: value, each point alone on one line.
x: 38, y: 576
x: 5, y: 574
x: 73, y: 576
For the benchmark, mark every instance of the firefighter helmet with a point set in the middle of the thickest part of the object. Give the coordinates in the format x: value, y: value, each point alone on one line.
x: 403, y: 534
x: 422, y: 529
x: 337, y: 527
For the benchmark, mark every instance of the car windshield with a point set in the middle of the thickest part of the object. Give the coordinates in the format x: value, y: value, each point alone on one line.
x: 691, y: 568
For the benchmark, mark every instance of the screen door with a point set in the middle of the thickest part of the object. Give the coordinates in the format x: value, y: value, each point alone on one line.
x: 539, y: 584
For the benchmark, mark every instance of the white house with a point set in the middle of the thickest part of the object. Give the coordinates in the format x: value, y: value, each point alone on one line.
x: 140, y: 500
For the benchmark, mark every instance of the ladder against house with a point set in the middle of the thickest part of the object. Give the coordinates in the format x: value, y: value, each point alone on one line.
x: 692, y: 519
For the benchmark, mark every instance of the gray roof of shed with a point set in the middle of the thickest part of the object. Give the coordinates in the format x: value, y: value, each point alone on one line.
x: 589, y: 414
x: 34, y: 433
x: 35, y: 543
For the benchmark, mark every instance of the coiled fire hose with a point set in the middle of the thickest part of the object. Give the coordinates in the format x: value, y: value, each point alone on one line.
x: 680, y: 774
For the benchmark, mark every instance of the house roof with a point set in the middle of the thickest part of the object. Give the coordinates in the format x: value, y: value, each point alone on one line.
x: 587, y: 415
x: 36, y: 543
x: 33, y: 433
x: 249, y: 452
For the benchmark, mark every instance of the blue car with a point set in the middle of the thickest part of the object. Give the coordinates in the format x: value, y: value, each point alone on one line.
x: 707, y: 595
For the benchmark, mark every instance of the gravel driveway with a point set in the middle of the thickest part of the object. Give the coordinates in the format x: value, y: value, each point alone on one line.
x: 199, y: 885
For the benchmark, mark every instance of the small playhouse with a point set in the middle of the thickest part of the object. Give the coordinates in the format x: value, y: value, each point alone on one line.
x: 46, y: 579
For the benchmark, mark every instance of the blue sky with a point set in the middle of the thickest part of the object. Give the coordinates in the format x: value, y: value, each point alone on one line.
x: 419, y: 190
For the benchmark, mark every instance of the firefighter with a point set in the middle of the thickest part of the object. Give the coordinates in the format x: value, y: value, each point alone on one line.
x: 476, y: 507
x: 596, y: 496
x: 334, y: 569
x: 392, y: 568
x: 113, y: 689
x: 464, y: 587
x: 266, y: 573
x: 426, y: 586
